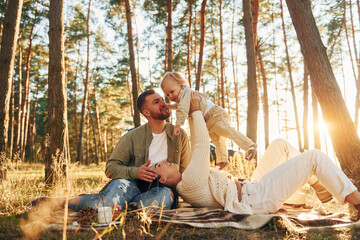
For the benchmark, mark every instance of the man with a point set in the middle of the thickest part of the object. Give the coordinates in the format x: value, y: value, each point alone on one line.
x: 129, y: 165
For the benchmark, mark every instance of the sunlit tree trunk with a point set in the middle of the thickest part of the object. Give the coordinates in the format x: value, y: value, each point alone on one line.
x: 188, y: 60
x: 98, y: 124
x: 169, y: 37
x: 202, y: 43
x: 252, y: 109
x: 292, y: 87
x: 222, y: 65
x: 18, y: 121
x: 317, y: 142
x: 306, y: 109
x: 132, y: 63
x: 340, y: 126
x: 264, y: 97
x: 7, y: 59
x: 217, y: 98
x: 80, y: 143
x: 357, y: 84
x: 56, y: 161
x: 236, y: 82
x: 32, y: 133
x: 12, y: 112
x: 5, y: 3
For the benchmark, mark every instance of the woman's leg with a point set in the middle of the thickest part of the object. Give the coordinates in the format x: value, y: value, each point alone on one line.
x: 278, y: 152
x: 278, y: 185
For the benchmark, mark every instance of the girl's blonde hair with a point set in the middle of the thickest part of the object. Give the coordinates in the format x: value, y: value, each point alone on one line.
x: 177, y: 78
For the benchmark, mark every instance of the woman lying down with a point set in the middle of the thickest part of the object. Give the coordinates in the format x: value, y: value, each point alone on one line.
x: 202, y: 186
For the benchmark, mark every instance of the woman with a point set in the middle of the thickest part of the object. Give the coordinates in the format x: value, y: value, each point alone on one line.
x: 202, y: 186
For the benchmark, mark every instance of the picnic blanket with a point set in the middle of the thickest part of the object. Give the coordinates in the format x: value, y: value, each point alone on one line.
x: 300, y: 219
x: 297, y: 219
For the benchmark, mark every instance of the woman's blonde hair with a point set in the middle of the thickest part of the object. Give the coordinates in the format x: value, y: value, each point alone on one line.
x: 177, y: 78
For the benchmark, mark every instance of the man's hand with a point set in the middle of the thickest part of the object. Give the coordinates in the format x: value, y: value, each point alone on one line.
x: 251, y: 152
x: 146, y: 173
x: 176, y: 130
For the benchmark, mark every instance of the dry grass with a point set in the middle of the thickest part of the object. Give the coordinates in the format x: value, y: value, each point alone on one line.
x: 25, y: 182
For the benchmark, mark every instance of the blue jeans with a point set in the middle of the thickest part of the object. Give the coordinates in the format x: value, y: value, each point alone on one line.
x: 120, y: 192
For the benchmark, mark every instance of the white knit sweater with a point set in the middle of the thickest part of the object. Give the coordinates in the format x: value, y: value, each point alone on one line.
x: 202, y: 186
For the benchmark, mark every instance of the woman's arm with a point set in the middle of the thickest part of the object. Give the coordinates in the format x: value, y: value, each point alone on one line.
x: 197, y: 172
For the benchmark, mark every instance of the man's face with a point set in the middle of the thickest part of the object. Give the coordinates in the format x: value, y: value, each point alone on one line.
x: 156, y: 107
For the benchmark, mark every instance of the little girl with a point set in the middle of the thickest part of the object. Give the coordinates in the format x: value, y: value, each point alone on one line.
x: 216, y: 118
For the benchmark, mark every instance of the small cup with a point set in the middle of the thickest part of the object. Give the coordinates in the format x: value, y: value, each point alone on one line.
x: 104, y: 215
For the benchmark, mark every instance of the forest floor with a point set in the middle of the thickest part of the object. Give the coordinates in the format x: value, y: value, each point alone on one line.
x: 25, y: 183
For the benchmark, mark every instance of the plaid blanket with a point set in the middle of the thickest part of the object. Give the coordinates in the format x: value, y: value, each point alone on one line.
x: 297, y: 219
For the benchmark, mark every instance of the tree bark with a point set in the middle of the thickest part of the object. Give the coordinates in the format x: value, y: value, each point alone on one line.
x: 236, y: 82
x: 18, y: 122
x: 306, y: 108
x: 202, y: 43
x: 98, y: 124
x: 56, y: 161
x: 343, y: 134
x: 12, y: 112
x: 80, y: 143
x: 357, y: 84
x: 25, y: 107
x: 317, y: 142
x: 132, y: 63
x: 252, y: 110
x: 222, y: 87
x: 7, y: 58
x: 265, y: 96
x: 292, y: 87
x: 188, y: 44
x: 169, y: 37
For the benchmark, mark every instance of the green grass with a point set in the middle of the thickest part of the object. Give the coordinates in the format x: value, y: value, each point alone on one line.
x: 25, y: 182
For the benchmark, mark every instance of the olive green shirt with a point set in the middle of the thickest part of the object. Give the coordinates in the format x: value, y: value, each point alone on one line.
x: 132, y: 151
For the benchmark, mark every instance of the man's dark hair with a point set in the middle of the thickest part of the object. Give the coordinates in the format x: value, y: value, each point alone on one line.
x: 141, y: 99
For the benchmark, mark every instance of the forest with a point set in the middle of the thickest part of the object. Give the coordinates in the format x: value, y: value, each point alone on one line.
x: 71, y: 71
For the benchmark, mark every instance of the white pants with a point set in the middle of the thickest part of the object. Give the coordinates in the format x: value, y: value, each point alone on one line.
x: 290, y: 171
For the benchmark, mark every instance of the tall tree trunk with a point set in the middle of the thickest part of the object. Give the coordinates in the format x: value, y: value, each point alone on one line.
x: 80, y: 143
x: 56, y: 161
x: 340, y: 126
x: 265, y: 96
x: 25, y: 108
x: 98, y: 124
x: 317, y: 142
x: 87, y: 128
x: 217, y: 98
x: 12, y: 112
x: 132, y: 63
x: 169, y: 37
x: 222, y: 87
x: 236, y: 83
x: 357, y: 84
x: 18, y: 121
x: 2, y: 18
x: 202, y: 43
x: 292, y: 87
x: 306, y: 108
x: 252, y: 110
x: 32, y: 134
x: 7, y: 59
x: 188, y: 60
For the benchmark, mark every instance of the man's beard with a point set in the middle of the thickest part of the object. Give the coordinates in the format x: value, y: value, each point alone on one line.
x: 162, y: 115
